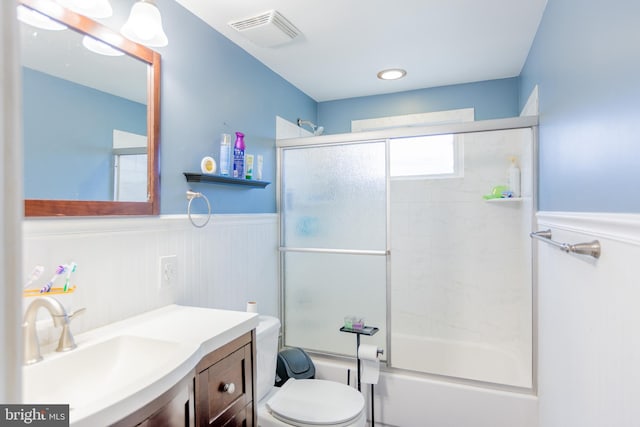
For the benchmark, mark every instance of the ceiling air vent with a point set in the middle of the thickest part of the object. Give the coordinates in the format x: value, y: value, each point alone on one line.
x: 267, y: 29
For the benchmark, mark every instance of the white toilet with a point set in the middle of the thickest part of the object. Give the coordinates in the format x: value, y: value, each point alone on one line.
x: 301, y: 403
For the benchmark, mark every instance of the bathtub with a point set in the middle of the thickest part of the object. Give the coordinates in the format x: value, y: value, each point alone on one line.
x: 461, y: 360
x: 403, y: 399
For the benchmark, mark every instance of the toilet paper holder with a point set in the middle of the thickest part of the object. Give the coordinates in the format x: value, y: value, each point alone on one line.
x: 366, y: 330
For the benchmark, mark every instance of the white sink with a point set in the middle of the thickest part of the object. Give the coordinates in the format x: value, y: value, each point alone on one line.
x: 88, y: 373
x: 121, y: 367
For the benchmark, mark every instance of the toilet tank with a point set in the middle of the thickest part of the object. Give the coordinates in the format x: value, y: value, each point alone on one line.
x: 266, y: 354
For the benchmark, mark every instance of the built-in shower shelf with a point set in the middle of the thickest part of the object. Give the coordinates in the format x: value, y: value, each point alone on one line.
x: 505, y: 200
x: 219, y: 179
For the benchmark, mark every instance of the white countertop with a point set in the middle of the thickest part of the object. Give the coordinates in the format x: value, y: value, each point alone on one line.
x: 190, y: 332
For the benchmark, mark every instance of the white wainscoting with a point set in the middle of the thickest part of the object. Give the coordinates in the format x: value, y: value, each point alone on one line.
x: 589, y: 322
x: 223, y: 265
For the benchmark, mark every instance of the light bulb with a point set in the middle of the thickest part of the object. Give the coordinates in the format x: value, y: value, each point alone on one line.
x: 145, y: 25
x: 100, y: 47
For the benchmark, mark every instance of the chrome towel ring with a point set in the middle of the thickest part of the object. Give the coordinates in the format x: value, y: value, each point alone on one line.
x: 191, y: 195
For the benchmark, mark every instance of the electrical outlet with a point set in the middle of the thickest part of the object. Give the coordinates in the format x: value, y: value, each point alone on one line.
x: 168, y: 271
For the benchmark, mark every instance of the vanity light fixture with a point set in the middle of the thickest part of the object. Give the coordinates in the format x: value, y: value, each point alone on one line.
x: 97, y: 46
x: 392, y: 74
x: 38, y: 20
x: 91, y: 8
x: 144, y: 25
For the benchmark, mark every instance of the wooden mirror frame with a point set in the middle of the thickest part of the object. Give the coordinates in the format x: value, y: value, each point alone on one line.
x: 82, y: 24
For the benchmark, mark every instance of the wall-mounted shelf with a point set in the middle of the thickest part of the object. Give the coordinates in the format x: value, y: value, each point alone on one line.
x: 219, y: 179
x: 505, y: 200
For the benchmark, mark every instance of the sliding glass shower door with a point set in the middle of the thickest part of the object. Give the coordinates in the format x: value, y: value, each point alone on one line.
x: 404, y: 231
x: 333, y: 204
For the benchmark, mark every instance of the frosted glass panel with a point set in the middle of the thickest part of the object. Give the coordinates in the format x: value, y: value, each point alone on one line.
x: 460, y: 295
x: 335, y: 196
x: 320, y: 289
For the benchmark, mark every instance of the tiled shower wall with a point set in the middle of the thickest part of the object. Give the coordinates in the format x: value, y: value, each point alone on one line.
x: 223, y: 265
x: 461, y: 272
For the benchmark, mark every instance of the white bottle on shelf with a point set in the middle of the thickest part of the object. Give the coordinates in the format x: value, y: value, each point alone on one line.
x: 513, y: 178
x: 225, y: 154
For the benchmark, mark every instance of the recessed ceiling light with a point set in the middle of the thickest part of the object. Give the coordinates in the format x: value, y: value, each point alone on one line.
x: 392, y: 74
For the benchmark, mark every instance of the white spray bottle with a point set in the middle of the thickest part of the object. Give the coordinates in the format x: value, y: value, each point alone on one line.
x: 513, y: 177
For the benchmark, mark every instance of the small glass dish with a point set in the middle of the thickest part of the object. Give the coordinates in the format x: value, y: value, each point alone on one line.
x: 348, y: 321
x: 358, y: 323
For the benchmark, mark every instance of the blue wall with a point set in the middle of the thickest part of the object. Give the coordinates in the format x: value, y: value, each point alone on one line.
x: 68, y: 137
x: 586, y: 61
x: 210, y: 86
x: 491, y: 99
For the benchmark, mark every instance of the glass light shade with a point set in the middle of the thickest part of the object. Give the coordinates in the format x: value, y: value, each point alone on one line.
x: 99, y: 47
x: 38, y: 20
x: 90, y: 8
x: 144, y: 25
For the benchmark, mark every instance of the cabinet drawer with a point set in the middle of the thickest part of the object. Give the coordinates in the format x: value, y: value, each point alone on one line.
x: 224, y: 389
x: 244, y: 418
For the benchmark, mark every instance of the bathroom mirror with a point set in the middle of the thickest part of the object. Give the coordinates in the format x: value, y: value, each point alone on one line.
x: 88, y: 118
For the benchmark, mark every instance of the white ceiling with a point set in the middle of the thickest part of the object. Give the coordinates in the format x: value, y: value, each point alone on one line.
x: 344, y: 43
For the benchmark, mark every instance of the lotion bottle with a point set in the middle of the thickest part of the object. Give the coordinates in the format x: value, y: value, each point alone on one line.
x: 248, y: 166
x: 513, y: 177
x: 225, y: 154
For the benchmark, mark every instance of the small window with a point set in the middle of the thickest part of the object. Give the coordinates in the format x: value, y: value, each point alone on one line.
x: 424, y: 156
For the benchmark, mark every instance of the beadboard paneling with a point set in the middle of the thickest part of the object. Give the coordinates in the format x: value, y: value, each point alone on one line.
x: 223, y: 265
x: 588, y: 317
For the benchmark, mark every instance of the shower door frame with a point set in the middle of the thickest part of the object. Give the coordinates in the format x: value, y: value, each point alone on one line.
x: 312, y: 142
x: 522, y: 122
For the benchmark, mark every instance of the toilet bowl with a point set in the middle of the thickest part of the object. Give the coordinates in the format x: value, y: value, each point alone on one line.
x: 300, y: 402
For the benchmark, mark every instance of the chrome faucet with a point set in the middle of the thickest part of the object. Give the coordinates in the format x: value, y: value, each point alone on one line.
x: 60, y: 318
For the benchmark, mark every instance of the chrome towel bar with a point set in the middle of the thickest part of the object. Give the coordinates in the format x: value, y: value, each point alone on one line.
x: 590, y: 248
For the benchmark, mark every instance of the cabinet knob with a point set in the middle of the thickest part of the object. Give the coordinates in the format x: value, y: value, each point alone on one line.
x: 229, y: 388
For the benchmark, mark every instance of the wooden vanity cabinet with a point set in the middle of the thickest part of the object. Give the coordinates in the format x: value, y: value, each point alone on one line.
x: 224, y: 391
x: 219, y: 392
x: 173, y: 408
x: 177, y: 412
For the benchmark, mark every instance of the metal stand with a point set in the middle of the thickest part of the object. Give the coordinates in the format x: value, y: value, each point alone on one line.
x: 367, y: 330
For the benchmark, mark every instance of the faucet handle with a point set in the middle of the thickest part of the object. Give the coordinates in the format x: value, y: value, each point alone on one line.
x: 77, y: 312
x: 66, y: 341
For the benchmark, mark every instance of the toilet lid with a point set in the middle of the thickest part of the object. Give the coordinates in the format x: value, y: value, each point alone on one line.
x: 315, y: 402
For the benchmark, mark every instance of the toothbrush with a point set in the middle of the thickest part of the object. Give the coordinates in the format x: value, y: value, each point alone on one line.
x: 35, y: 275
x: 47, y: 287
x: 70, y: 269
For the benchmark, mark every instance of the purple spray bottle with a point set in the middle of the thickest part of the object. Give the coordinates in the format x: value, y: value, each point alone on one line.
x: 238, y: 156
